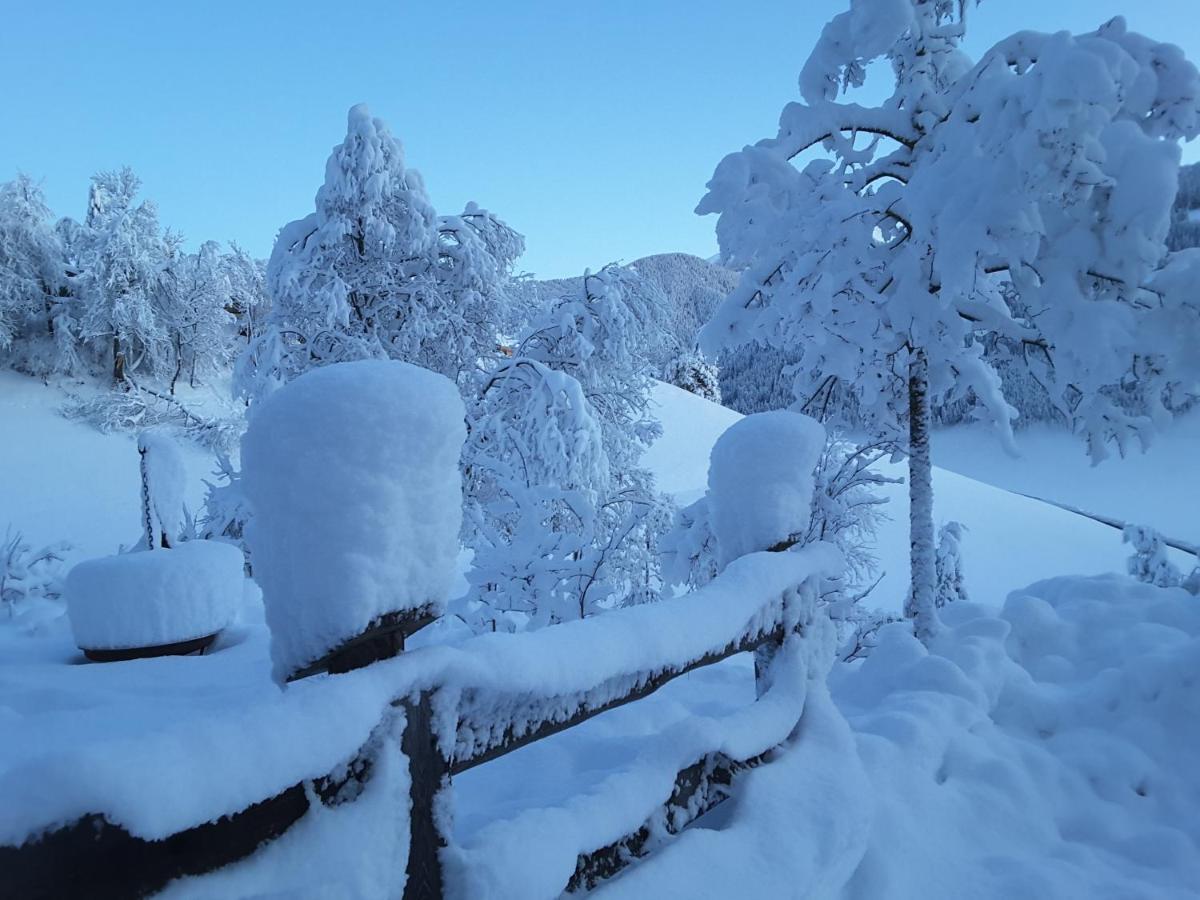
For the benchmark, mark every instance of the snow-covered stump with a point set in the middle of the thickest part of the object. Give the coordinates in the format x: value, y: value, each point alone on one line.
x: 352, y: 474
x: 154, y: 602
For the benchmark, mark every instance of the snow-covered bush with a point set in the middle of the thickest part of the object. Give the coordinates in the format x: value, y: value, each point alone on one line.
x: 226, y: 509
x: 951, y: 585
x: 152, y: 598
x: 352, y: 473
x: 1149, y: 562
x: 689, y: 549
x: 760, y: 482
x: 29, y: 574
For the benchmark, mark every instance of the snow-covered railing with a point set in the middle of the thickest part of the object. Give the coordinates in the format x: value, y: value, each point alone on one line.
x: 464, y: 706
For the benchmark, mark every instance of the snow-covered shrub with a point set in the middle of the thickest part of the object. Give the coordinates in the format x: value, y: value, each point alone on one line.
x: 226, y: 510
x: 164, y: 480
x: 951, y: 585
x: 694, y: 373
x: 1149, y: 562
x: 29, y: 574
x: 150, y: 598
x: 352, y: 473
x: 760, y: 482
x: 689, y: 549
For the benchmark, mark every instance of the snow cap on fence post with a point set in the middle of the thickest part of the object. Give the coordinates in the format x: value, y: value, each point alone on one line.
x: 352, y: 475
x: 760, y: 481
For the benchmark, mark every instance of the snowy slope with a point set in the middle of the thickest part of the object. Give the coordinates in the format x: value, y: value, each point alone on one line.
x: 1011, y: 540
x: 62, y: 480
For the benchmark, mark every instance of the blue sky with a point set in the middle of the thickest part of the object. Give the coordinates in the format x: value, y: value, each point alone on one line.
x: 592, y: 128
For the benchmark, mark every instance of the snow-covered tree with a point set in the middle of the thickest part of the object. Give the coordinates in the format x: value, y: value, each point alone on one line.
x: 36, y: 329
x: 373, y: 272
x: 122, y: 262
x: 247, y: 301
x: 596, y: 337
x: 535, y: 467
x: 951, y: 585
x: 562, y: 518
x: 692, y: 372
x: 195, y: 292
x: 882, y: 258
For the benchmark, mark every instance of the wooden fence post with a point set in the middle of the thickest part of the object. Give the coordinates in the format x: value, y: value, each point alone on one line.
x: 428, y: 771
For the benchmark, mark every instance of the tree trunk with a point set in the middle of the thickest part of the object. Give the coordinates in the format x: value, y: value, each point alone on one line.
x: 118, y: 362
x: 921, y: 603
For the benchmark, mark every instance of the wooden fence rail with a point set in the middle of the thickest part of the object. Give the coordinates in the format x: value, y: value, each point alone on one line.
x: 98, y: 859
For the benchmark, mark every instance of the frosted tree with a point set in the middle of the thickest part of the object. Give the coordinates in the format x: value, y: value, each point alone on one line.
x: 34, y: 308
x: 695, y: 374
x: 245, y: 278
x: 535, y: 467
x: 122, y: 261
x: 951, y: 585
x: 881, y: 259
x: 195, y: 291
x: 594, y: 335
x: 373, y: 272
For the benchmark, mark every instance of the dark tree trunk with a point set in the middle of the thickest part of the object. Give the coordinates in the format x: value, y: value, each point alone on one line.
x: 920, y: 605
x: 118, y: 362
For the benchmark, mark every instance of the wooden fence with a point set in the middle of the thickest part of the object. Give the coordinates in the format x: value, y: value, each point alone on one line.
x: 98, y: 859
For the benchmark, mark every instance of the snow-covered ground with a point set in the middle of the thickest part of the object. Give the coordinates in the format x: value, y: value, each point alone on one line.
x: 1038, y: 751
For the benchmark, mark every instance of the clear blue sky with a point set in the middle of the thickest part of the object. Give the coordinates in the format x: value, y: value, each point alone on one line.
x: 590, y: 127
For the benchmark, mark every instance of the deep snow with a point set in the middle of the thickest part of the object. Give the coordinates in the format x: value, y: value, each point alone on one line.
x: 955, y: 735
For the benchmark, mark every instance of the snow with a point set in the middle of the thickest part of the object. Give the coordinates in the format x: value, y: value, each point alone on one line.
x: 760, y: 481
x: 162, y: 744
x: 164, y: 475
x: 154, y: 597
x: 352, y: 474
x: 62, y: 480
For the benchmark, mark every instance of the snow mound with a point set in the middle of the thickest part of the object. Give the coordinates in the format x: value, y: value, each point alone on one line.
x: 760, y: 481
x: 352, y: 474
x: 1051, y: 749
x: 154, y: 597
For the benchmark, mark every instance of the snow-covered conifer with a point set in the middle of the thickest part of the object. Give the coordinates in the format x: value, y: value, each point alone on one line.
x: 695, y: 374
x: 883, y: 260
x: 951, y: 585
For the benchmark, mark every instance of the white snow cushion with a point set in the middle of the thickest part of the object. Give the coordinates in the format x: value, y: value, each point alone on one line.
x: 760, y: 481
x: 352, y: 472
x: 154, y: 597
